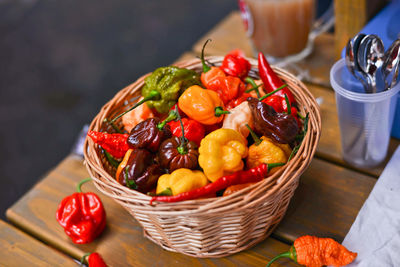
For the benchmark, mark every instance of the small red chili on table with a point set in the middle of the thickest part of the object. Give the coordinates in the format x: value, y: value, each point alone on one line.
x: 94, y: 260
x: 82, y: 215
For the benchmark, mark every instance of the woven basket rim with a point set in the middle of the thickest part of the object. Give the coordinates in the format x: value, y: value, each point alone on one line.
x: 278, y: 181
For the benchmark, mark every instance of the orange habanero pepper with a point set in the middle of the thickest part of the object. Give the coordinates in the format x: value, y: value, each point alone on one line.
x: 202, y: 105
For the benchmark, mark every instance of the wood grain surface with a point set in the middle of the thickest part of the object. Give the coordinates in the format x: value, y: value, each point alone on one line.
x: 326, y: 203
x: 123, y: 240
x: 19, y: 249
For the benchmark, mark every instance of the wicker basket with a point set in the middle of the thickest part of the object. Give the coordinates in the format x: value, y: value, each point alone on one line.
x: 213, y: 227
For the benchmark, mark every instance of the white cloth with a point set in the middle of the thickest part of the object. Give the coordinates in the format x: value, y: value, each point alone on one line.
x: 375, y: 234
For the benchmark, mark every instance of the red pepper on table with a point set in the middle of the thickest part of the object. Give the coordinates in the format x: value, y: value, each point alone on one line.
x: 234, y: 64
x: 116, y: 144
x: 82, y: 215
x: 271, y: 80
x: 94, y: 260
x: 194, y: 130
x: 247, y: 176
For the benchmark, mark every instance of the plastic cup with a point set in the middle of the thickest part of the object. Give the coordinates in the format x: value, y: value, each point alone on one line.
x: 365, y: 119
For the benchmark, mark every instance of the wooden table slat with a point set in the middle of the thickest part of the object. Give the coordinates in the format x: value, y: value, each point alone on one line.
x: 123, y: 239
x: 19, y: 249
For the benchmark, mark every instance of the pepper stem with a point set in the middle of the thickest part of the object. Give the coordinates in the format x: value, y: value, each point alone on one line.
x: 273, y: 165
x: 289, y: 108
x: 182, y: 148
x: 84, y: 257
x: 152, y: 95
x: 220, y: 111
x: 78, y: 187
x: 255, y: 86
x: 166, y: 192
x: 273, y: 92
x: 171, y: 116
x: 111, y: 159
x: 118, y: 130
x: 203, y: 62
x: 256, y: 139
x: 282, y: 255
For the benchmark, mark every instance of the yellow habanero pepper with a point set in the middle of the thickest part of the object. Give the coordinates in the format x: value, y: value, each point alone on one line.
x: 202, y: 105
x: 221, y: 153
x: 181, y: 180
x: 265, y: 150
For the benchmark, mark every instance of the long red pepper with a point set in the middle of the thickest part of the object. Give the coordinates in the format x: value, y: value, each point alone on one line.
x: 271, y: 80
x: 248, y: 176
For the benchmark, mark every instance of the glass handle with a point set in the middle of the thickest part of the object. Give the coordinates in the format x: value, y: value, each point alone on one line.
x: 323, y: 23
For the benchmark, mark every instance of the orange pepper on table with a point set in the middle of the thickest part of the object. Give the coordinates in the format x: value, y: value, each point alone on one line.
x: 202, y: 105
x: 312, y: 251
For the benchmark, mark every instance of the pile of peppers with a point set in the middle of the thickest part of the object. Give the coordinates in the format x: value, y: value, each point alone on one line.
x: 194, y: 135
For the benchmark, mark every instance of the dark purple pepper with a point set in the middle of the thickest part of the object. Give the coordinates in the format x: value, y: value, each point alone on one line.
x: 175, y: 155
x: 147, y: 134
x: 140, y: 173
x: 281, y: 127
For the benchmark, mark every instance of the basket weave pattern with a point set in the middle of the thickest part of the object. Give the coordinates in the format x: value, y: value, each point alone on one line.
x: 213, y: 227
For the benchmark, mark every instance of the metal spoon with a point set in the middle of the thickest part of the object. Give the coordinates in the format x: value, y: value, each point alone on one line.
x: 390, y: 67
x: 351, y: 59
x: 370, y: 58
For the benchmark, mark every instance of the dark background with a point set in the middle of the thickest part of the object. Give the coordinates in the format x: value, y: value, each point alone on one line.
x: 60, y: 61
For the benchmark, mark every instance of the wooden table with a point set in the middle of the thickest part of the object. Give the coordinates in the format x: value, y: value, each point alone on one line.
x: 326, y: 202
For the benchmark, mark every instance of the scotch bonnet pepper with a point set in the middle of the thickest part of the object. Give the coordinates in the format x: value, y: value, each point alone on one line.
x: 133, y: 117
x: 82, y: 216
x: 176, y: 153
x: 149, y: 134
x: 234, y: 64
x: 264, y: 150
x: 169, y: 82
x: 181, y: 180
x: 314, y: 251
x: 138, y: 170
x: 202, y: 105
x: 238, y: 118
x: 194, y: 130
x: 280, y: 127
x: 221, y: 153
x: 213, y: 78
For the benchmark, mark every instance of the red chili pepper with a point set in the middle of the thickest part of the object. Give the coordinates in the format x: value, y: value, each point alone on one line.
x: 234, y: 64
x: 271, y: 80
x: 248, y: 176
x: 94, y: 260
x: 116, y: 144
x: 194, y: 130
x: 82, y: 216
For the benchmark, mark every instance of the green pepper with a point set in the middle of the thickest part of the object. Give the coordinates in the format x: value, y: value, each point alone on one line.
x: 170, y: 82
